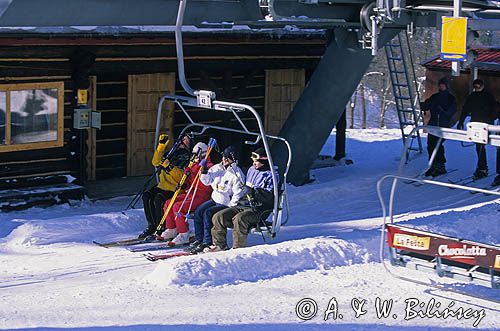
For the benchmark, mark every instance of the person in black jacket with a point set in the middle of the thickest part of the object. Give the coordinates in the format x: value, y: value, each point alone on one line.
x: 438, y: 111
x: 480, y: 105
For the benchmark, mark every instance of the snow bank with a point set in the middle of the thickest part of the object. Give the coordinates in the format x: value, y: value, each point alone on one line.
x: 71, y: 229
x: 258, y: 263
x: 479, y: 224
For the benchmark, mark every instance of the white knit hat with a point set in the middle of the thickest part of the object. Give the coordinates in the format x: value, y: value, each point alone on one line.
x: 200, y: 149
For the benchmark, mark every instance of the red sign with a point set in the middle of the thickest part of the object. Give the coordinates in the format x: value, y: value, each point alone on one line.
x: 449, y: 248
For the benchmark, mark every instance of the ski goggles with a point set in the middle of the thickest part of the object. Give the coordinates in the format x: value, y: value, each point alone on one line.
x: 257, y: 157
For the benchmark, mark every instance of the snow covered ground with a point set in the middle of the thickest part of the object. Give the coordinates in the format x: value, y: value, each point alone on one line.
x: 53, y: 278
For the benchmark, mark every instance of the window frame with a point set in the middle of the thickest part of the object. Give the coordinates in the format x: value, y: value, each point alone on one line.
x: 59, y: 142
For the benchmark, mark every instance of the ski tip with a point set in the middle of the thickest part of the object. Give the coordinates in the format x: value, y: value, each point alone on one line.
x: 99, y: 244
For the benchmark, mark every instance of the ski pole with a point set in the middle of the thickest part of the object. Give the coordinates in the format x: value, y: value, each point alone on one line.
x: 136, y: 198
x: 176, y: 193
x: 185, y: 197
x: 174, y: 148
x: 172, y: 200
x: 211, y: 144
x: 196, y: 178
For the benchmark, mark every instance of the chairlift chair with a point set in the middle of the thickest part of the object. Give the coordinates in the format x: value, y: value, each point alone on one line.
x: 195, y: 128
x: 423, y: 250
x: 204, y: 99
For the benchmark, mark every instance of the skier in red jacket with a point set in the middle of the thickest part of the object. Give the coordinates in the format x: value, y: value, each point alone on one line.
x: 177, y: 229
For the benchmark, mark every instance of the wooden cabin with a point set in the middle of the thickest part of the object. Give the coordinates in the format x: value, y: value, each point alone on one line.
x: 126, y: 71
x: 485, y: 66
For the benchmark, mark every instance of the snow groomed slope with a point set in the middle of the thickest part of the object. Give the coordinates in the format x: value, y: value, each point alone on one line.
x: 53, y: 277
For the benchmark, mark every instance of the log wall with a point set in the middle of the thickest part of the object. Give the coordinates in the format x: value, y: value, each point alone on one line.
x: 234, y: 67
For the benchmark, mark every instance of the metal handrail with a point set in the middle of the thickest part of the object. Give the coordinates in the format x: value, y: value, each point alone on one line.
x: 388, y: 213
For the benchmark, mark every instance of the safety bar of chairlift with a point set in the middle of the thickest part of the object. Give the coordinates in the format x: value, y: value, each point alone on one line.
x: 205, y: 127
x: 461, y: 135
x: 441, y: 133
x: 447, y: 133
x: 385, y: 216
x: 233, y: 107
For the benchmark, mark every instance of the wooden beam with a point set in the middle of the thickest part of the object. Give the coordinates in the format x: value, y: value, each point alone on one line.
x: 155, y: 40
x: 208, y: 57
x: 65, y: 172
x: 91, y: 144
x: 32, y: 161
x: 8, y: 119
x: 34, y: 78
x: 17, y: 60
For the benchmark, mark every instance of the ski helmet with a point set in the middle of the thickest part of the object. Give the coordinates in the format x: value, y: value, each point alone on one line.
x: 200, y: 149
x: 231, y: 153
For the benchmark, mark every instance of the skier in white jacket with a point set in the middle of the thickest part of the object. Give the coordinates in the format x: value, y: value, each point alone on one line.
x: 227, y: 181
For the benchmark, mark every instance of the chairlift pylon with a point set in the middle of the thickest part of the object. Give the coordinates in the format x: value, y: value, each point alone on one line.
x: 203, y: 99
x: 472, y: 261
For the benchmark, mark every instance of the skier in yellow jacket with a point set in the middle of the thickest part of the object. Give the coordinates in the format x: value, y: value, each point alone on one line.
x: 169, y: 175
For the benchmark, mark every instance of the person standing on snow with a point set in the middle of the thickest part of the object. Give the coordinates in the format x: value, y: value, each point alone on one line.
x: 255, y: 206
x: 480, y: 105
x: 227, y: 181
x: 176, y: 225
x: 169, y: 175
x: 438, y: 111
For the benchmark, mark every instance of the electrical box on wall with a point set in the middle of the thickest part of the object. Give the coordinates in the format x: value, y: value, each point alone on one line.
x: 95, y: 120
x: 81, y: 118
x: 85, y: 118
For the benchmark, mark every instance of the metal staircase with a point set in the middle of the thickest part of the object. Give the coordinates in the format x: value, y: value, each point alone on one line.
x: 405, y: 91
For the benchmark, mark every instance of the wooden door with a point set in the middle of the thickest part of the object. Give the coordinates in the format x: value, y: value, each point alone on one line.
x: 283, y: 89
x: 144, y: 93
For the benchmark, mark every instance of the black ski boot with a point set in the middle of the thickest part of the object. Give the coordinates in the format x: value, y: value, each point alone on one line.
x: 496, y: 181
x: 198, y: 248
x: 429, y: 172
x: 439, y: 170
x: 480, y: 173
x: 146, y: 233
x: 192, y: 245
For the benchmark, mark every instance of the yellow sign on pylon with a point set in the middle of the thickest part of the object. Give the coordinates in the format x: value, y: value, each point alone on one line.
x: 454, y: 38
x: 82, y: 97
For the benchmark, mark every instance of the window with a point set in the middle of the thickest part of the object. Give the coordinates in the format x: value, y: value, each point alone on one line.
x: 31, y: 116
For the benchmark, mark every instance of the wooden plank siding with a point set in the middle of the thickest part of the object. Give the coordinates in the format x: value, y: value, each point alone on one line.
x: 233, y: 67
x: 111, y: 139
x: 284, y: 88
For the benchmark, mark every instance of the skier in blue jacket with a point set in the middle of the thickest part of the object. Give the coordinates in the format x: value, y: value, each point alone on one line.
x: 256, y: 205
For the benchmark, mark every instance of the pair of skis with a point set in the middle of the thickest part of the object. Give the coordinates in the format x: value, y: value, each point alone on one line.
x: 126, y: 242
x: 423, y: 177
x: 471, y: 180
x: 157, y: 257
x: 151, y: 239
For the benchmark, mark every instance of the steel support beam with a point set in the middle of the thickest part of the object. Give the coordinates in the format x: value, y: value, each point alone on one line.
x: 49, y: 13
x: 323, y: 101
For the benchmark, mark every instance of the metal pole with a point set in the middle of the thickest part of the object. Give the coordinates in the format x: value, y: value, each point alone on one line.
x: 457, y: 9
x: 178, y: 47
